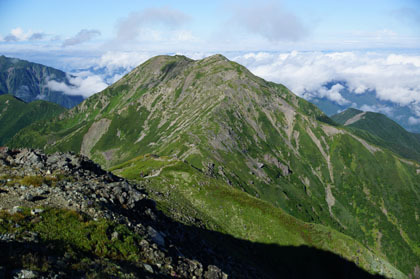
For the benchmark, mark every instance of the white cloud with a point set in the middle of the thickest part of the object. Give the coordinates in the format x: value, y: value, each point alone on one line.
x: 413, y: 120
x: 270, y: 21
x: 84, y: 35
x: 394, y: 77
x: 113, y: 60
x: 144, y: 25
x: 333, y: 94
x: 377, y: 108
x: 18, y: 35
x: 394, y: 59
x: 83, y: 84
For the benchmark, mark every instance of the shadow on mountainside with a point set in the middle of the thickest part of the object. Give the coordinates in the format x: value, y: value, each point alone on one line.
x: 245, y: 259
x: 48, y: 260
x: 270, y: 260
x: 237, y: 258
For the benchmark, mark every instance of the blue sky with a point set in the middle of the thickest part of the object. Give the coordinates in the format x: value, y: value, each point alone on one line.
x: 209, y: 25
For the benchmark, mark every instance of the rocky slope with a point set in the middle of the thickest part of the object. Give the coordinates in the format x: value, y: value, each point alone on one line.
x: 16, y: 114
x: 66, y: 186
x: 28, y: 81
x: 62, y: 216
x: 254, y: 135
x: 382, y: 131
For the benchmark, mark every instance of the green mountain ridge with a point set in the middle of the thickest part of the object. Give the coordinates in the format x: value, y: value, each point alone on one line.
x: 385, y: 131
x: 28, y: 81
x: 15, y: 114
x: 254, y: 135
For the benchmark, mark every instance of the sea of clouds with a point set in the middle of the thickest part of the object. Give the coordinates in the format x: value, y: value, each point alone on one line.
x: 394, y: 77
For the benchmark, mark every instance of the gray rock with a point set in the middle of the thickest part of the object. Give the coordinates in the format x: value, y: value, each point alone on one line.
x: 284, y: 169
x: 7, y: 237
x: 24, y: 273
x: 156, y: 236
x: 148, y: 268
x: 16, y: 209
x: 27, y: 197
x: 41, y: 191
x: 114, y: 236
x: 213, y: 272
x: 36, y: 211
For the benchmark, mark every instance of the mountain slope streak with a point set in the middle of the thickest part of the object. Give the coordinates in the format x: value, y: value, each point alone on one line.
x: 28, y: 81
x: 256, y: 136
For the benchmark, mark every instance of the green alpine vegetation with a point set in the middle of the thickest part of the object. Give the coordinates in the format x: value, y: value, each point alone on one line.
x: 15, y: 114
x: 187, y: 195
x: 75, y: 234
x: 263, y: 143
x: 28, y: 81
x: 385, y: 131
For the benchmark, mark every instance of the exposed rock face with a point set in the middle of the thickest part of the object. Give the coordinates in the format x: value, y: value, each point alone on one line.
x: 169, y: 249
x: 93, y: 135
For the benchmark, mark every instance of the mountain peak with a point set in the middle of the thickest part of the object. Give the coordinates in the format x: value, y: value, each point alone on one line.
x: 217, y: 57
x: 353, y: 110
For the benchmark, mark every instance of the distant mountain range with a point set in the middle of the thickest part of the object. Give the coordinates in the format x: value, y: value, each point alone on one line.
x: 220, y: 148
x: 367, y: 101
x: 382, y: 131
x: 28, y: 81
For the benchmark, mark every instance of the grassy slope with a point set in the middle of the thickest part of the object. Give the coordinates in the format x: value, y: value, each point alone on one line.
x: 189, y: 196
x: 218, y: 117
x: 82, y: 239
x: 16, y: 114
x: 385, y: 131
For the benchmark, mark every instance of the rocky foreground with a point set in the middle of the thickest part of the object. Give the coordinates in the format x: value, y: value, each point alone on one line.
x: 62, y: 216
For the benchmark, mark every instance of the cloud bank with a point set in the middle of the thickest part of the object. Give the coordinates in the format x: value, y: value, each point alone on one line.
x: 113, y: 60
x: 84, y: 84
x: 270, y: 21
x: 137, y: 25
x: 394, y: 77
x: 84, y: 35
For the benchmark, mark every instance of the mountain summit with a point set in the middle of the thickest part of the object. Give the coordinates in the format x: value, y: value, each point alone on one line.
x: 233, y: 127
